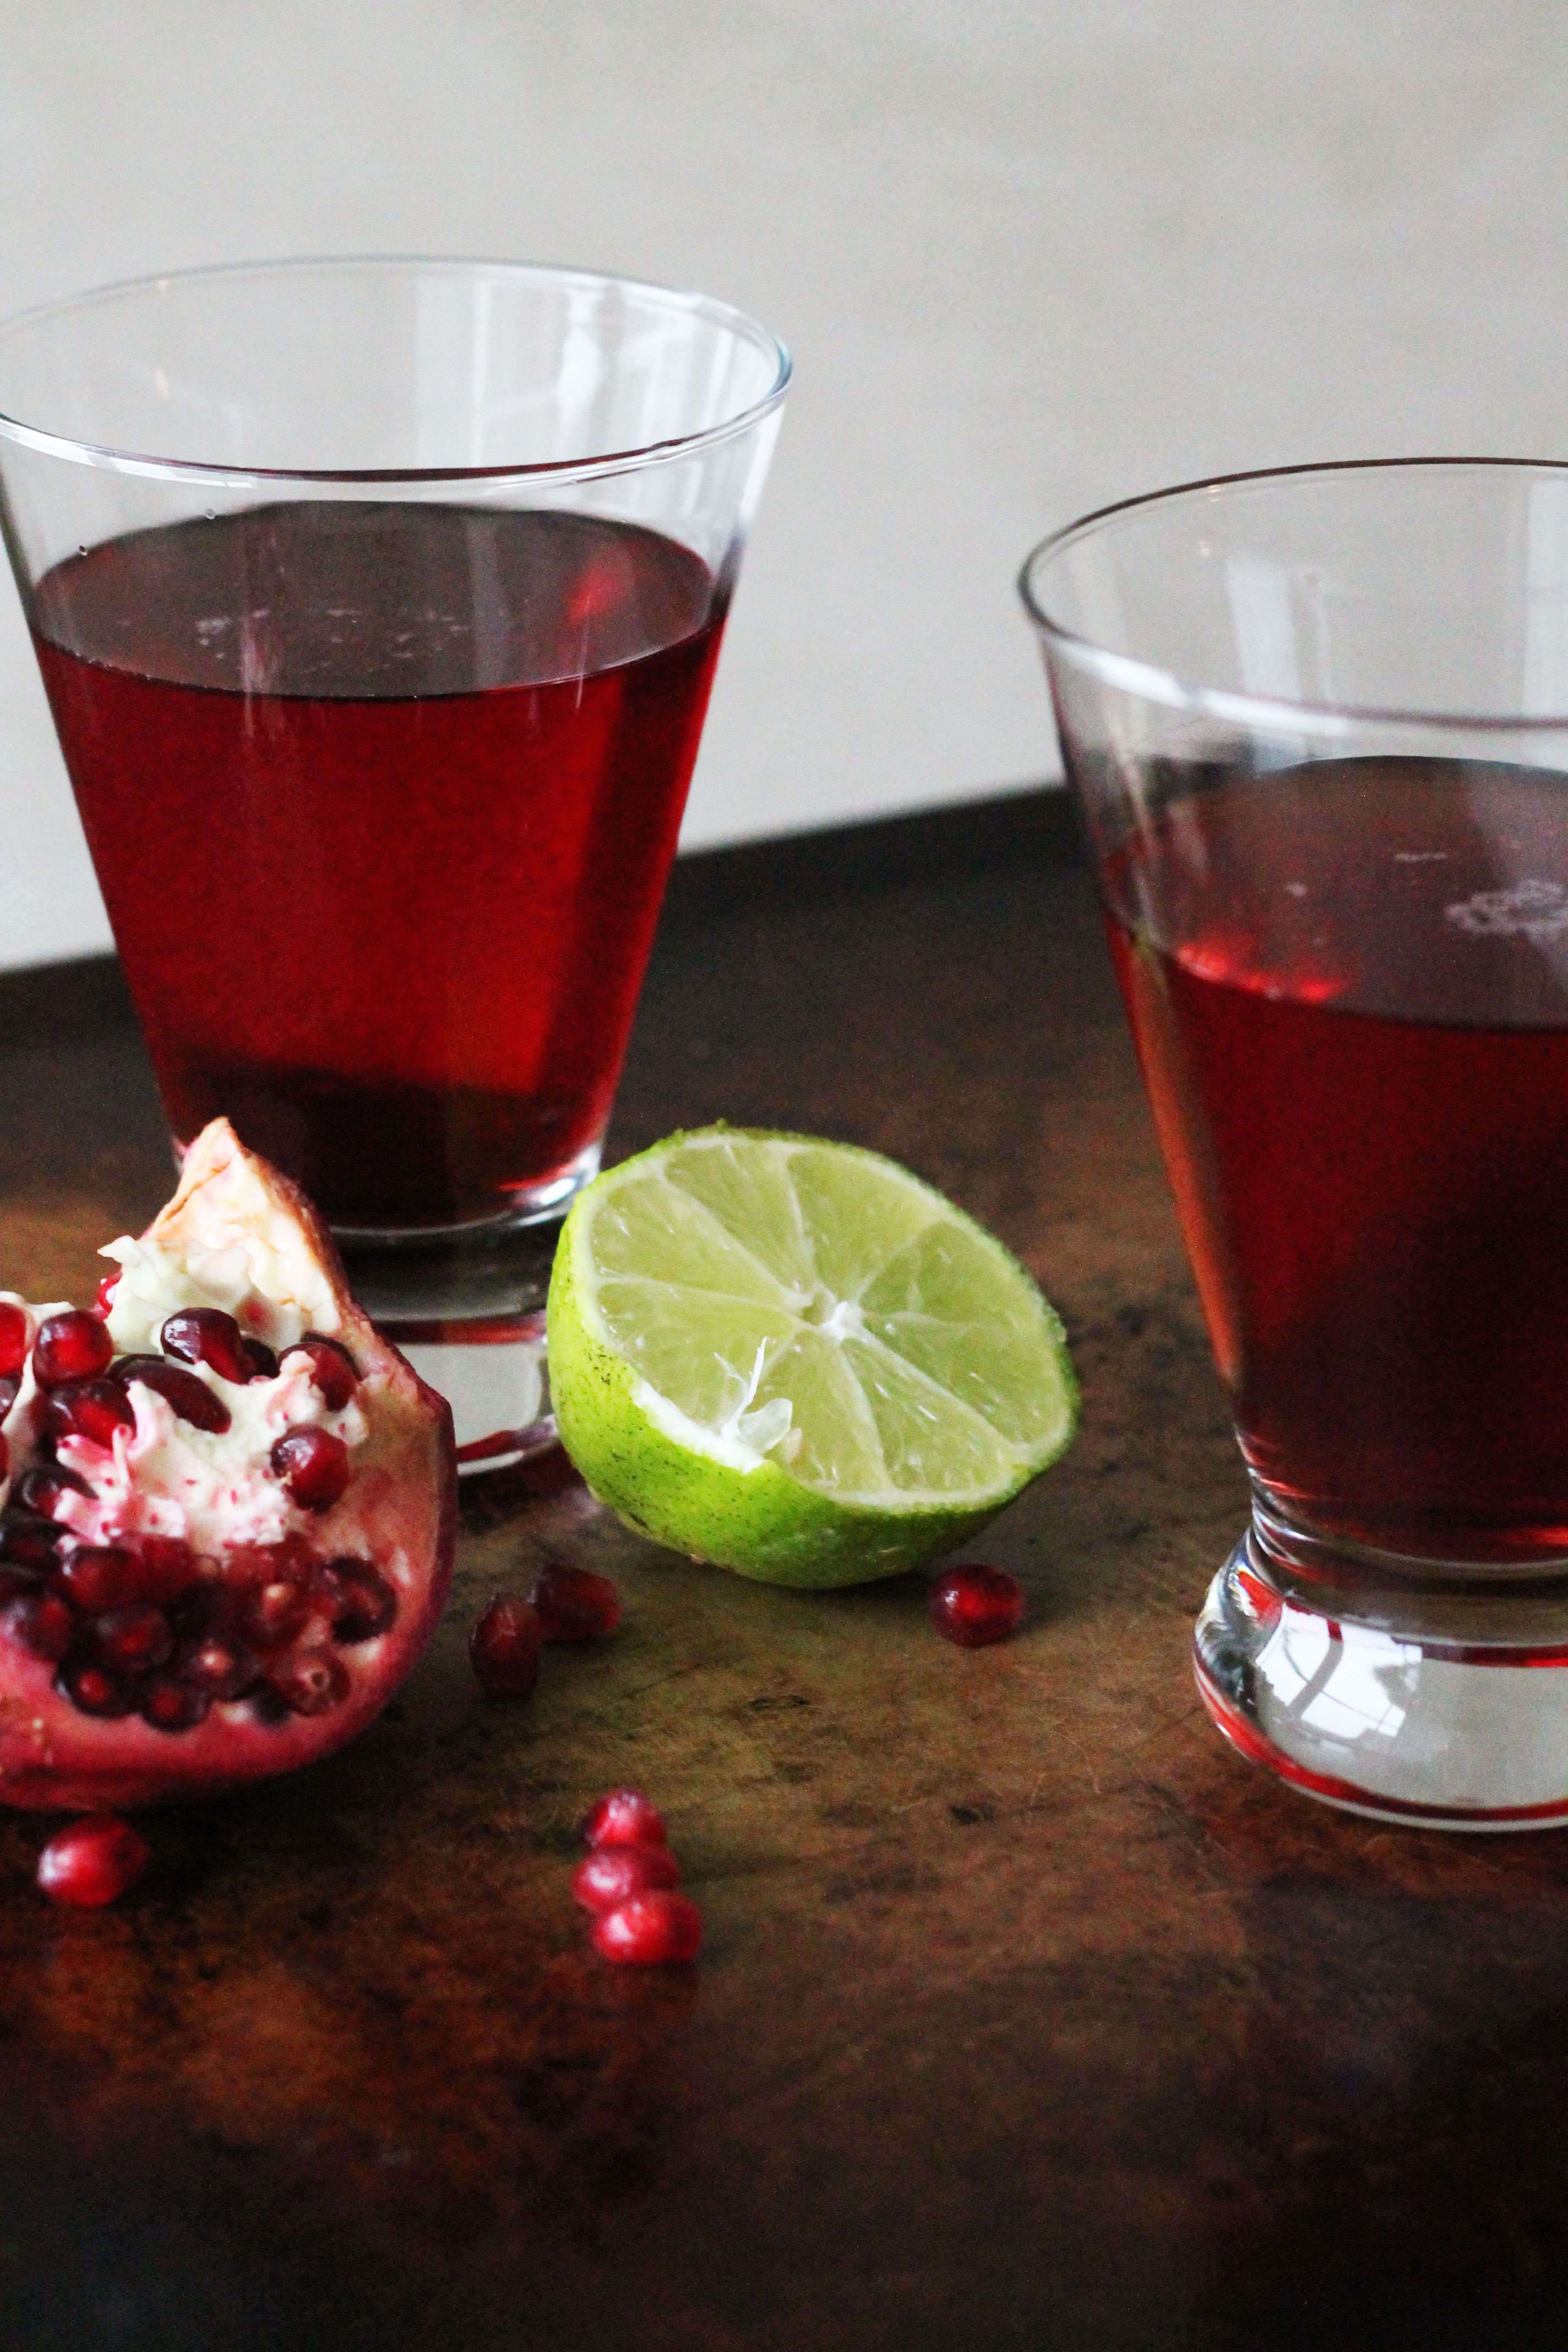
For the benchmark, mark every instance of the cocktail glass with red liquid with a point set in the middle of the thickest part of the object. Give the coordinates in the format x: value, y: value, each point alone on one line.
x: 1317, y: 725
x: 378, y: 602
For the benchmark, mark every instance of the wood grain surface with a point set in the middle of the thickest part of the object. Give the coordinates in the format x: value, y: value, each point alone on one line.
x: 1028, y: 2016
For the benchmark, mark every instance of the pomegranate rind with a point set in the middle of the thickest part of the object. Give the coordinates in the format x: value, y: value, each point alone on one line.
x: 400, y: 1512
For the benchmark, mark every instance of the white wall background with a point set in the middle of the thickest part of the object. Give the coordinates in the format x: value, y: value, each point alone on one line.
x: 1031, y: 255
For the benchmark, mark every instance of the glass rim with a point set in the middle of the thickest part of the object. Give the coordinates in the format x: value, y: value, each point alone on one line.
x: 1132, y: 675
x: 105, y: 456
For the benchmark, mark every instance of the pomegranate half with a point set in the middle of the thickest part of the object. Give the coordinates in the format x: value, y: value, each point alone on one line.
x: 228, y: 1507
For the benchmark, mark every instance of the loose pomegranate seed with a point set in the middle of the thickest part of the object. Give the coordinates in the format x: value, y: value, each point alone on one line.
x: 573, y: 1604
x: 366, y: 1604
x: 39, y: 1624
x: 222, y: 1670
x: 94, y: 1689
x: 40, y: 1488
x: 93, y: 1862
x: 133, y: 1641
x: 309, y: 1682
x: 106, y: 1290
x: 206, y: 1335
x: 173, y: 1706
x: 973, y: 1606
x: 98, y: 1577
x: 505, y: 1647
x: 313, y: 1464
x: 263, y: 1363
x: 625, y: 1817
x: 75, y: 1346
x: 12, y: 1339
x: 272, y: 1615
x: 188, y: 1397
x: 333, y: 1368
x: 91, y: 1409
x: 612, y: 1875
x: 650, y: 1929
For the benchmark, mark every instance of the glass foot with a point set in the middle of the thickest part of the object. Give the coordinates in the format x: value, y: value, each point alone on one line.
x: 1441, y: 1734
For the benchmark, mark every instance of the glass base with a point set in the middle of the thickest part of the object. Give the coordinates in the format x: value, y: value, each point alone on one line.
x: 470, y: 1320
x: 1417, y: 1726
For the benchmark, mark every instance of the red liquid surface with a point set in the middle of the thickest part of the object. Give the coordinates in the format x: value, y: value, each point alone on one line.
x: 382, y: 801
x: 1348, y: 984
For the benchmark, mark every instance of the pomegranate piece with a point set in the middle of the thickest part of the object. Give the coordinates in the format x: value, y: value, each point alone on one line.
x: 173, y: 1619
x: 13, y: 1339
x: 975, y: 1606
x: 75, y: 1346
x: 625, y: 1817
x: 573, y: 1604
x: 206, y: 1335
x: 333, y: 1368
x: 650, y: 1929
x: 612, y: 1875
x: 93, y: 1862
x: 504, y: 1646
x: 186, y: 1396
x: 314, y: 1466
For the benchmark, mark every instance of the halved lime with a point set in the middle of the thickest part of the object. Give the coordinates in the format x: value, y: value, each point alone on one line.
x: 794, y: 1358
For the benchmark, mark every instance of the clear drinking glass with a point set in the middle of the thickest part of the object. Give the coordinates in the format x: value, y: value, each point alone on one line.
x: 378, y: 602
x: 1317, y: 725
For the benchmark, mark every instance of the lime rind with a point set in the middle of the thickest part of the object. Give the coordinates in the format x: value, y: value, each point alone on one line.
x: 794, y: 1358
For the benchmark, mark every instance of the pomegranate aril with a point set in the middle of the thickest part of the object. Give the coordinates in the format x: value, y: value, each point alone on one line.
x: 975, y: 1606
x: 309, y: 1682
x: 504, y: 1646
x: 93, y: 1862
x: 75, y: 1346
x: 173, y: 1706
x: 221, y: 1670
x: 40, y: 1488
x: 612, y: 1875
x: 625, y: 1817
x: 313, y: 1464
x: 259, y: 1356
x: 206, y: 1335
x: 169, y: 1569
x: 94, y: 1690
x: 650, y: 1929
x: 91, y: 1409
x: 133, y: 1641
x: 187, y: 1396
x: 38, y: 1622
x: 106, y: 1290
x: 573, y: 1604
x: 13, y: 1339
x: 332, y: 1370
x: 28, y: 1542
x: 96, y: 1576
x: 364, y: 1603
x: 272, y: 1615
x: 9, y: 1388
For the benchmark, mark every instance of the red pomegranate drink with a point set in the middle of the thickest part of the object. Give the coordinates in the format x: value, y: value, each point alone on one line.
x: 381, y: 798
x: 1348, y: 985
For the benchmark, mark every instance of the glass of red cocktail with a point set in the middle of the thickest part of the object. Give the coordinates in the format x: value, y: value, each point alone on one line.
x: 378, y: 602
x: 1317, y: 725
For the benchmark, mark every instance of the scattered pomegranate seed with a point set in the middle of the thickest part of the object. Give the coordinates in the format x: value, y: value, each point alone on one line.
x: 206, y: 1335
x: 625, y: 1817
x: 12, y: 1339
x: 91, y: 1409
x: 650, y: 1929
x: 188, y: 1397
x: 333, y: 1368
x: 75, y: 1346
x: 573, y: 1604
x: 93, y: 1862
x: 259, y: 1356
x: 313, y: 1464
x: 975, y: 1606
x: 612, y: 1875
x: 40, y: 1489
x: 504, y: 1646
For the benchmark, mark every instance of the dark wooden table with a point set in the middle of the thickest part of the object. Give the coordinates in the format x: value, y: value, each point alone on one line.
x: 1029, y: 2017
